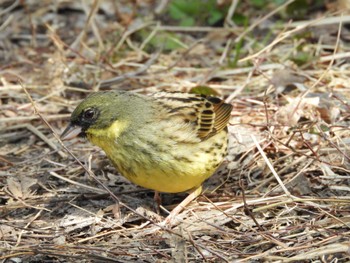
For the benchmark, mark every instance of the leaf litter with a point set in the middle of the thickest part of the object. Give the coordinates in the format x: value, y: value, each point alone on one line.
x: 280, y: 196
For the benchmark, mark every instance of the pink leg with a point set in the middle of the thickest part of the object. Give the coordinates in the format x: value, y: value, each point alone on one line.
x: 158, y: 199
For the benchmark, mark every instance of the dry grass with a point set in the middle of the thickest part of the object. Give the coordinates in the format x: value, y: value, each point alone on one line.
x: 281, y: 196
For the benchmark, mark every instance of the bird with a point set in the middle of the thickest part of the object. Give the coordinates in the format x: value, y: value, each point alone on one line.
x: 169, y: 142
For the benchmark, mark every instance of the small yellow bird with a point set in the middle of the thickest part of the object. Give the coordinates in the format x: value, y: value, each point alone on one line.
x: 169, y: 142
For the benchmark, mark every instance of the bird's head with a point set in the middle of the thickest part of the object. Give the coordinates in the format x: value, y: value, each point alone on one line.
x: 98, y: 112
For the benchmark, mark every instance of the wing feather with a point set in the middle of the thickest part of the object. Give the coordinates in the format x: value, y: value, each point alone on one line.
x: 206, y: 115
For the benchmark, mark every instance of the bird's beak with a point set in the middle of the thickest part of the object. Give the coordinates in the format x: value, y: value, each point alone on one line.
x: 70, y: 132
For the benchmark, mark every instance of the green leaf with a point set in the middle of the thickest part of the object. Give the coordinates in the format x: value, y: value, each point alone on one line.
x: 167, y: 41
x: 215, y: 16
x: 301, y: 58
x: 196, y: 12
x: 204, y: 90
x: 240, y: 19
x: 258, y: 3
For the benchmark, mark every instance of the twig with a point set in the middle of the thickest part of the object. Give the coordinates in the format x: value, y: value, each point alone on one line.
x: 90, y: 188
x: 271, y: 167
x: 139, y: 71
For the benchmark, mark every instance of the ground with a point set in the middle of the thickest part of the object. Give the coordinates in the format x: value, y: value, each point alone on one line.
x: 282, y: 194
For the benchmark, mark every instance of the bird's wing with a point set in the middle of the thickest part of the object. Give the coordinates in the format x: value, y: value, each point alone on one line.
x: 206, y: 115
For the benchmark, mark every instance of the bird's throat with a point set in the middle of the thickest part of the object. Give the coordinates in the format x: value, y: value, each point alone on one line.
x: 107, y: 135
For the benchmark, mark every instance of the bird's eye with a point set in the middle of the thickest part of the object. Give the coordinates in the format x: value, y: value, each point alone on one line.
x: 89, y: 114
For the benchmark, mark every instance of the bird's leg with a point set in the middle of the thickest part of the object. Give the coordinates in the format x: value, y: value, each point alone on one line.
x: 158, y: 199
x: 193, y: 195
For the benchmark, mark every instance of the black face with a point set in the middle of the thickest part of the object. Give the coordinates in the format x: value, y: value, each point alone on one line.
x: 85, y: 119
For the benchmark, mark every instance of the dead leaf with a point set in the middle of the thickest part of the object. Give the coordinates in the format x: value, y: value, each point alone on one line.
x: 284, y: 79
x: 19, y: 187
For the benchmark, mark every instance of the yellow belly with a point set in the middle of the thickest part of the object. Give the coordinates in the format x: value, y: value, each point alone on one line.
x: 179, y: 168
x: 169, y: 182
x: 170, y: 177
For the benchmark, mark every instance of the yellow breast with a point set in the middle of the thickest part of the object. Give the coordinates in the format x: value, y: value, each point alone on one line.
x: 162, y: 165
